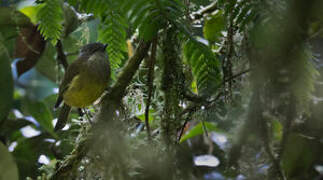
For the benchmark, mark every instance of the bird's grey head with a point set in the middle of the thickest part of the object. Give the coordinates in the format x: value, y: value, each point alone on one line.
x: 92, y: 48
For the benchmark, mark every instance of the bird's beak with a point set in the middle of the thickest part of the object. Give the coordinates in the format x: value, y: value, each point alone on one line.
x: 105, y: 46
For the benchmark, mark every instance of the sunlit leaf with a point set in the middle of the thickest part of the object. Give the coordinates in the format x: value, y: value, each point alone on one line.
x: 198, y: 130
x: 194, y: 86
x: 277, y: 129
x: 31, y: 12
x: 151, y: 117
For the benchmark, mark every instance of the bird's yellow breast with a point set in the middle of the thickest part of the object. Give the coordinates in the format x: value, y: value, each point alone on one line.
x: 83, y: 91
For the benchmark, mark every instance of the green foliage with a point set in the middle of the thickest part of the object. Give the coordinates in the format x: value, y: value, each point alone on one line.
x: 98, y: 7
x: 300, y: 155
x: 241, y: 13
x: 205, y: 66
x: 199, y: 130
x: 150, y: 15
x: 31, y: 12
x: 254, y: 31
x: 50, y: 17
x: 27, y: 152
x: 8, y: 167
x: 6, y: 82
x: 213, y: 26
x: 41, y: 113
x: 303, y: 77
x: 277, y: 130
x: 11, y: 17
x: 142, y: 116
x: 46, y: 64
x: 11, y: 21
x: 113, y: 29
x: 113, y: 32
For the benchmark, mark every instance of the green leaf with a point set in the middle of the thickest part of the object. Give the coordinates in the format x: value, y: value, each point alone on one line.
x: 11, y: 17
x: 151, y: 117
x: 50, y: 17
x: 113, y: 32
x: 47, y: 63
x: 8, y: 167
x: 149, y: 16
x: 148, y: 30
x: 31, y: 12
x: 6, y: 82
x: 205, y: 66
x: 198, y: 130
x: 12, y: 126
x: 299, y: 155
x: 277, y: 129
x: 27, y: 153
x: 213, y: 27
x: 10, y: 22
x: 42, y: 114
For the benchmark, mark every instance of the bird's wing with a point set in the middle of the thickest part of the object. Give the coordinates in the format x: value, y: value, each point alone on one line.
x: 72, y: 71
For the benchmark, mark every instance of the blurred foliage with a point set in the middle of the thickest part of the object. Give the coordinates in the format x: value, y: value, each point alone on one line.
x: 246, y: 79
x: 213, y: 27
x: 6, y: 82
x: 8, y: 166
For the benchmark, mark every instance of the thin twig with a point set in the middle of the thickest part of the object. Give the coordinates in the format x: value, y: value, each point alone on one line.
x: 204, y: 128
x: 61, y: 57
x: 182, y: 130
x: 209, y: 104
x: 235, y: 76
x: 151, y: 66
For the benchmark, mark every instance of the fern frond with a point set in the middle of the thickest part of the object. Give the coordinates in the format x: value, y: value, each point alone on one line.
x: 151, y: 15
x: 113, y: 32
x: 205, y: 66
x: 112, y: 29
x: 50, y: 17
x: 241, y: 12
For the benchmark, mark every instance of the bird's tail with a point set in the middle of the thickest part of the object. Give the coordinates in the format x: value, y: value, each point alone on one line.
x: 62, y: 117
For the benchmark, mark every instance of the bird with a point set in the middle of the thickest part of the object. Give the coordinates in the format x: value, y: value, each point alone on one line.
x: 84, y: 81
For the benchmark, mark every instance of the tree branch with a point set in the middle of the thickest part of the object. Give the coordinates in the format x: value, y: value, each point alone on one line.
x: 208, y: 9
x: 61, y: 57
